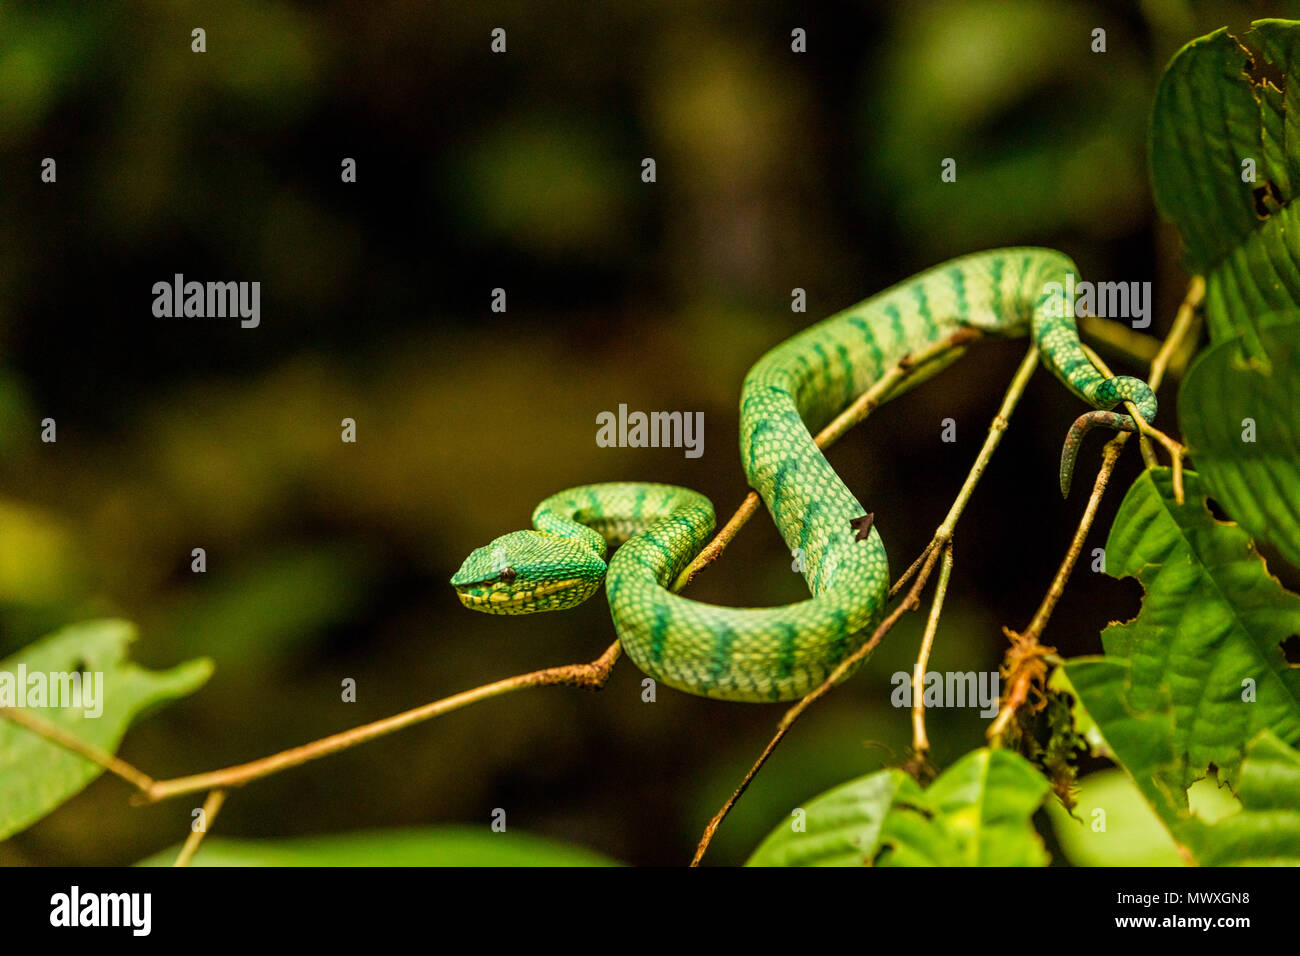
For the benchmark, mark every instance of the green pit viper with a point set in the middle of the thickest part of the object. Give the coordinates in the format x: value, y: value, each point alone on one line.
x: 783, y: 653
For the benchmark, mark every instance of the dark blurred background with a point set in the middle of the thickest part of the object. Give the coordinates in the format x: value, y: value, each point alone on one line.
x: 522, y: 171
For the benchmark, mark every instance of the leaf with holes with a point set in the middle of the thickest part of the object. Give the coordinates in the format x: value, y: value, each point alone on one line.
x: 976, y: 814
x: 1209, y: 636
x: 1266, y: 828
x: 1241, y: 416
x: 36, y: 775
x: 1225, y: 165
x: 1113, y: 824
x: 1266, y: 831
x: 1139, y: 737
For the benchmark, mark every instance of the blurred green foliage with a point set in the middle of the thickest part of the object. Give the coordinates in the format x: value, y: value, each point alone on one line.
x: 434, y: 846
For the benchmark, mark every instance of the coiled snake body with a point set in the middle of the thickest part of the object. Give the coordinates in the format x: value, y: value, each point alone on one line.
x: 782, y: 653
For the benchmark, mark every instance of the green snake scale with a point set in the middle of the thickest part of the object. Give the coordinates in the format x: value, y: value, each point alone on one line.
x: 782, y: 653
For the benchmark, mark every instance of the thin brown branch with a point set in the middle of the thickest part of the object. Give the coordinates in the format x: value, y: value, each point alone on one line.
x: 69, y: 741
x: 592, y: 676
x: 1022, y: 669
x: 1183, y: 323
x: 920, y: 741
x: 713, y: 550
x: 1109, y: 458
x: 211, y: 807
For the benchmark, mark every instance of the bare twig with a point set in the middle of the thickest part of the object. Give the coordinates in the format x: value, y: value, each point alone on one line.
x: 1183, y: 324
x: 920, y: 741
x: 592, y: 676
x: 69, y: 741
x: 211, y: 807
x: 1023, y: 667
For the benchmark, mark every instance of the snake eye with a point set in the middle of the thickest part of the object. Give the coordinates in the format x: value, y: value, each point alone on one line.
x: 508, y: 575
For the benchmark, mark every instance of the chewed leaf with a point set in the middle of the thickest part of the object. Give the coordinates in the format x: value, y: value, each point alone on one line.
x: 1225, y: 165
x: 1264, y: 831
x: 1209, y: 635
x: 1241, y: 415
x: 1113, y: 825
x: 36, y: 776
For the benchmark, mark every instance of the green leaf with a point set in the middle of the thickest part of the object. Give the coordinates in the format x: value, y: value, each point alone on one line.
x: 1208, y: 637
x: 36, y: 775
x: 1258, y: 481
x: 976, y: 814
x: 1140, y: 739
x: 1265, y: 831
x: 849, y: 825
x: 987, y: 800
x: 1216, y: 108
x: 434, y: 846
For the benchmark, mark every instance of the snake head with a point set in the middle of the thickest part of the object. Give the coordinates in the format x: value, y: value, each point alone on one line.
x: 527, y: 571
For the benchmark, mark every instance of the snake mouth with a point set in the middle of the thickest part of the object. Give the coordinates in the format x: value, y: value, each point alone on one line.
x: 481, y: 596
